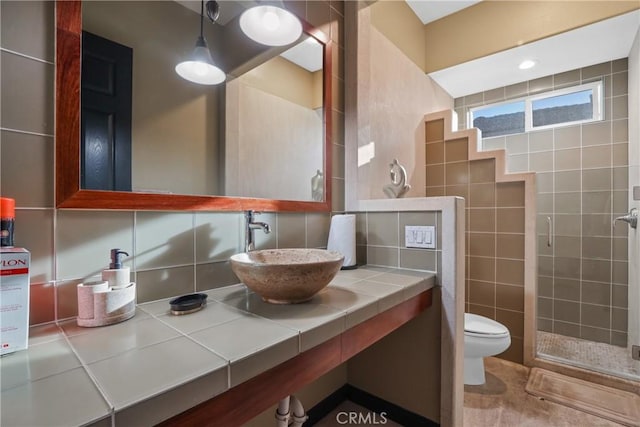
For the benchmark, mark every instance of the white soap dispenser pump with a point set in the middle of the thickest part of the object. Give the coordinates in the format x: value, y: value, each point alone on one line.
x: 119, y: 277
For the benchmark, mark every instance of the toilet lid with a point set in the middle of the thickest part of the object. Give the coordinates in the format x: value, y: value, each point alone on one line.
x: 483, y: 325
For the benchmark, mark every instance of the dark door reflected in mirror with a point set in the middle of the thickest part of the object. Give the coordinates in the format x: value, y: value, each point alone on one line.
x: 259, y: 134
x: 157, y: 141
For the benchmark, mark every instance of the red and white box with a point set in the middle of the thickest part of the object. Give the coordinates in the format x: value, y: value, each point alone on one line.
x: 14, y: 299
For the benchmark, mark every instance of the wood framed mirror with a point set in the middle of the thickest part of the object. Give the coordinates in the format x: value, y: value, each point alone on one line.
x: 69, y: 191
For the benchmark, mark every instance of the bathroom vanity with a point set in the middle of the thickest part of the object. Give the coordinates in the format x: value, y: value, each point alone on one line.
x: 225, y: 364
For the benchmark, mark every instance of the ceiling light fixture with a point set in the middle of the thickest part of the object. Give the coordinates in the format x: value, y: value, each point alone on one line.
x: 526, y: 64
x: 199, y: 68
x: 271, y: 24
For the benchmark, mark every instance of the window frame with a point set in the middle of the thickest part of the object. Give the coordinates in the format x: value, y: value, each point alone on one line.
x: 596, y: 88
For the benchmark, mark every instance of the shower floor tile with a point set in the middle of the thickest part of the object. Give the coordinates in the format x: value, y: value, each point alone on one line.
x: 601, y: 357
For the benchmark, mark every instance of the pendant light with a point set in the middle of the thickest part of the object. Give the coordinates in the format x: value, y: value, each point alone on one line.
x: 271, y: 24
x: 199, y: 68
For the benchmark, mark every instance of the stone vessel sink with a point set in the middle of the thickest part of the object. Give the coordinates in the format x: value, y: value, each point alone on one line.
x: 286, y: 276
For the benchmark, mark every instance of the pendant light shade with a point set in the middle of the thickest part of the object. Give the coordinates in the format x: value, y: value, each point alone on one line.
x: 270, y: 25
x: 199, y: 68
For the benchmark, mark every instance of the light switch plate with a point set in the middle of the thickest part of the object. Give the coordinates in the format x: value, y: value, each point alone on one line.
x: 420, y: 236
x: 636, y: 192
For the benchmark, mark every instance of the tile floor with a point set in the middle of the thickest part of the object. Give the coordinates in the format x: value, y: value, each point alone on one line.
x: 502, y: 401
x: 602, y: 357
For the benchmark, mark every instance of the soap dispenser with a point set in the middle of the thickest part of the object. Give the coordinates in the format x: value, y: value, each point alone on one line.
x: 119, y: 277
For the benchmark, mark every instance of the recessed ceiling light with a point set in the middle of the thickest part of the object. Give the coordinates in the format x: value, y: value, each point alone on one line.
x: 526, y: 64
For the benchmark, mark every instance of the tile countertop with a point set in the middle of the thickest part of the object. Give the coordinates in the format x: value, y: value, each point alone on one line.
x: 157, y: 365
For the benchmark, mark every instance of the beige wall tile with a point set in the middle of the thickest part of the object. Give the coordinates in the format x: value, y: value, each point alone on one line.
x: 27, y: 178
x: 596, y: 133
x: 510, y: 194
x: 377, y: 255
x: 568, y: 329
x: 67, y: 298
x: 418, y: 259
x: 618, y: 65
x: 567, y: 78
x: 596, y: 293
x: 218, y: 235
x: 510, y: 297
x: 435, y: 191
x: 516, y: 90
x: 483, y: 310
x: 597, y: 316
x: 163, y: 239
x: 567, y: 180
x: 383, y: 228
x: 541, y: 84
x: 482, y: 293
x: 596, y: 270
x: 337, y: 162
x: 620, y: 272
x: 435, y: 175
x: 567, y: 225
x: 513, y: 320
x: 620, y: 249
x: 596, y: 179
x: 619, y: 338
x: 510, y: 220
x: 596, y: 247
x: 493, y: 143
x: 25, y: 84
x: 545, y: 307
x: 544, y: 182
x: 620, y: 178
x: 518, y: 163
x: 38, y: 17
x: 510, y: 246
x: 214, y: 275
x: 620, y: 107
x: 510, y: 271
x: 456, y: 173
x: 291, y: 230
x: 566, y: 289
x: 434, y: 130
x: 620, y: 154
x: 595, y: 334
x: 596, y: 202
x: 596, y: 225
x: 456, y: 150
x: 84, y: 240
x: 596, y: 157
x: 482, y: 171
x: 566, y: 246
x: 567, y: 137
x: 567, y: 159
x: 483, y: 269
x: 545, y: 265
x: 41, y: 303
x: 541, y: 140
x: 457, y: 190
x: 482, y: 195
x: 482, y: 244
x: 567, y: 203
x: 566, y: 267
x: 541, y: 162
x: 318, y: 229
x: 619, y: 83
x: 566, y: 311
x: 34, y: 231
x: 494, y: 95
x: 337, y: 195
x: 435, y: 153
x: 620, y: 129
x: 517, y: 144
x: 619, y: 319
x: 164, y: 283
x: 596, y: 70
x: 482, y: 220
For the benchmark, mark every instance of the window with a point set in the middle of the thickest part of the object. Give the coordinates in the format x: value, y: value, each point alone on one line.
x: 578, y: 104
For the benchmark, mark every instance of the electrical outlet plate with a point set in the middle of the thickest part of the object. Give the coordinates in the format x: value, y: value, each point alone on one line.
x: 635, y: 352
x: 420, y: 236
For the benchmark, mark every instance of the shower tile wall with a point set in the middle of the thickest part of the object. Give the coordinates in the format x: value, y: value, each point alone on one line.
x: 582, y: 184
x: 495, y: 231
x: 171, y: 252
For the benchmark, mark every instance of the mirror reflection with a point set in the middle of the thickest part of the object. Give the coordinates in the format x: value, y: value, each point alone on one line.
x: 146, y: 129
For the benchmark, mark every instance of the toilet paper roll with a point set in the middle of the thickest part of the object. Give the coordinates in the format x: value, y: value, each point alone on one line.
x: 342, y: 238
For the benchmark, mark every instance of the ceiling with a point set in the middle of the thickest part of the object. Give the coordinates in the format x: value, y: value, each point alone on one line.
x: 432, y: 10
x: 603, y: 41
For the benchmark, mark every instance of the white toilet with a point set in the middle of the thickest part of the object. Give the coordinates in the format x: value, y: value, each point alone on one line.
x: 483, y: 337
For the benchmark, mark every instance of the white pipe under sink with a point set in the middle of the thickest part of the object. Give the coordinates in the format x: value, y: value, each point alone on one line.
x: 290, y: 408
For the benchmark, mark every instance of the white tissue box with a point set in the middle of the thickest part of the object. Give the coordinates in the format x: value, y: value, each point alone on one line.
x: 14, y: 299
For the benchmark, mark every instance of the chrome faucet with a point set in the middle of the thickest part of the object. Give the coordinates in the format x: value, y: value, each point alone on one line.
x: 250, y: 225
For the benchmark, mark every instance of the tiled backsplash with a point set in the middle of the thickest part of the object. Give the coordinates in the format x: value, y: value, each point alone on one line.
x: 380, y: 240
x: 582, y: 184
x: 171, y: 252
